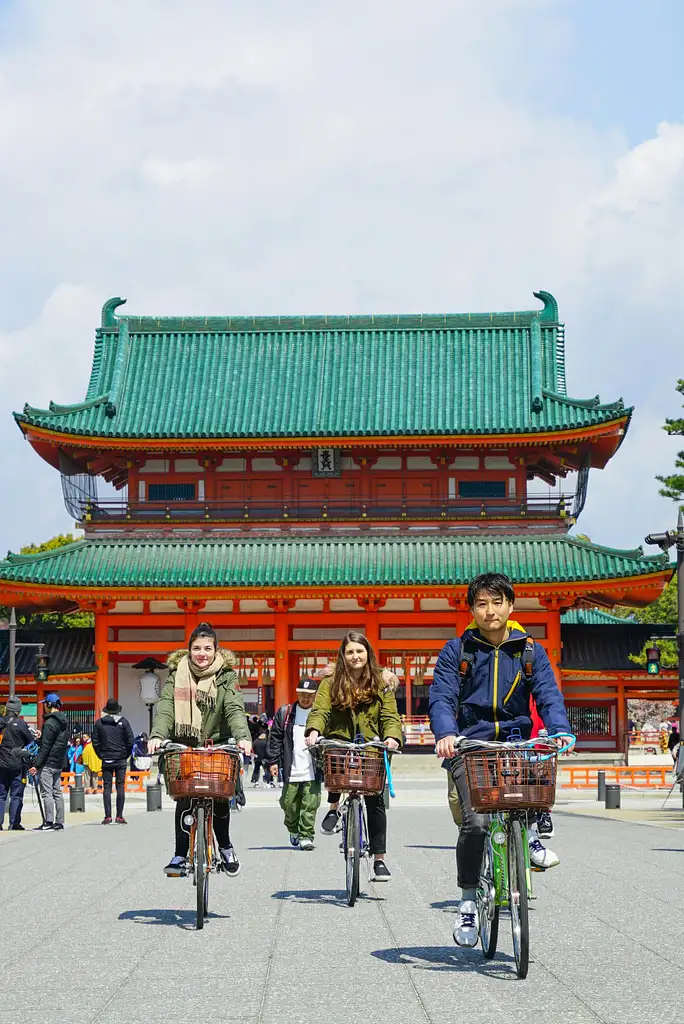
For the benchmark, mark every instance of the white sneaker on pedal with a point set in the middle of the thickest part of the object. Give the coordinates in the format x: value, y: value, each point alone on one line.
x: 467, y: 927
x: 540, y: 856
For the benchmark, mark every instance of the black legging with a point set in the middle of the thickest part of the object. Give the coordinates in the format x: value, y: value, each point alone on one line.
x: 120, y: 773
x: 221, y: 826
x: 377, y: 820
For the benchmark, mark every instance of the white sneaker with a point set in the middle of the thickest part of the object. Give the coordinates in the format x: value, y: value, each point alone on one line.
x: 466, y: 929
x: 306, y: 844
x: 540, y: 856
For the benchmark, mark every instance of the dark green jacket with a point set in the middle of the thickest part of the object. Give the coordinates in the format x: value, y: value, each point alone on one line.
x: 219, y: 723
x: 379, y: 718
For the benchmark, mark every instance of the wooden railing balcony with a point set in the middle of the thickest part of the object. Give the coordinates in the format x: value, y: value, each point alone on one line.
x: 341, y: 510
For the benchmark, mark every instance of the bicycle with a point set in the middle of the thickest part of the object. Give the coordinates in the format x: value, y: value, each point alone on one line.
x: 357, y: 770
x: 204, y: 774
x: 508, y: 781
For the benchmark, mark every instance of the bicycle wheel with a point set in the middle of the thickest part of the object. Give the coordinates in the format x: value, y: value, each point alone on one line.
x: 200, y: 863
x: 488, y: 911
x: 351, y: 849
x: 517, y: 898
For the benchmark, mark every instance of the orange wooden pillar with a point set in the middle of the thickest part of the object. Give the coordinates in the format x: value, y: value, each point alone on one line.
x: 191, y: 609
x: 408, y: 685
x: 622, y: 723
x: 463, y: 615
x: 101, y: 661
x: 372, y: 625
x: 259, y: 661
x: 281, y: 682
x: 553, y: 638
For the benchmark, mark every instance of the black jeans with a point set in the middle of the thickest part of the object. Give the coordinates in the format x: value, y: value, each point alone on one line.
x: 12, y: 785
x: 221, y: 826
x: 120, y: 774
x: 472, y: 833
x: 377, y: 820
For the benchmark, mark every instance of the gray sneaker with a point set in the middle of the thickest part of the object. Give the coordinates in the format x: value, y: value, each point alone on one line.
x: 231, y: 864
x: 466, y: 929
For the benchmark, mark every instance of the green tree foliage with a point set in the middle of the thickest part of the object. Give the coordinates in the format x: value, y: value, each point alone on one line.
x: 50, y: 620
x: 673, y: 485
x: 662, y: 611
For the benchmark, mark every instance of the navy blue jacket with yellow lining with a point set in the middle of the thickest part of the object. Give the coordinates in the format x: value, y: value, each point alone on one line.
x: 493, y: 697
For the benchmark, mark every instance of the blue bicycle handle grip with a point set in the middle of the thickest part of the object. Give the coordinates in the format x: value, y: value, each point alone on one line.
x: 388, y: 770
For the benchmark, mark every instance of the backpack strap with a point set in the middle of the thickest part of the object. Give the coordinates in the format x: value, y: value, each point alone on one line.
x: 528, y: 658
x: 466, y: 662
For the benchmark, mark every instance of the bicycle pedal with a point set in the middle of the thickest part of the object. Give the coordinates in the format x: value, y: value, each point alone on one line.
x: 541, y: 871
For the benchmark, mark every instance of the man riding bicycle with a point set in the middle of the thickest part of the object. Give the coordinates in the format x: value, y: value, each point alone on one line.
x: 482, y: 686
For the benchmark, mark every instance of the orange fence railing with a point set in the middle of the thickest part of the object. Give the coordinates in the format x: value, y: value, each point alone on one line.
x: 135, y: 782
x: 585, y: 776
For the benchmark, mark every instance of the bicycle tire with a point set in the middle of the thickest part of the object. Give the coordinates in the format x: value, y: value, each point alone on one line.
x: 517, y: 899
x: 488, y: 910
x: 200, y: 864
x: 351, y: 849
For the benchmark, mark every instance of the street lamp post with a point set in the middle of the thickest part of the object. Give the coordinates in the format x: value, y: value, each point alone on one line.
x: 12, y: 653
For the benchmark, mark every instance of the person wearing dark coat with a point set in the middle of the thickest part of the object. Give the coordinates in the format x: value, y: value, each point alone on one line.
x: 14, y: 734
x: 113, y: 742
x: 51, y: 762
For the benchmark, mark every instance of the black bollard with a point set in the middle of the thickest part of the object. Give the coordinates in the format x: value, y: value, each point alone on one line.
x: 76, y: 799
x: 601, y: 786
x: 612, y: 797
x: 78, y: 781
x: 154, y: 797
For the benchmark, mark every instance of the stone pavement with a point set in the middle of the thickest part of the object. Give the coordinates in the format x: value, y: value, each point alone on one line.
x: 92, y: 931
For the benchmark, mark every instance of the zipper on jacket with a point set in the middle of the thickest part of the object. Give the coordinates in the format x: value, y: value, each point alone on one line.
x: 496, y: 691
x: 510, y: 692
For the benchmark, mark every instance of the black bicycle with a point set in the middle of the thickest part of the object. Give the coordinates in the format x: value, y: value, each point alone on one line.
x: 357, y: 770
x: 203, y: 774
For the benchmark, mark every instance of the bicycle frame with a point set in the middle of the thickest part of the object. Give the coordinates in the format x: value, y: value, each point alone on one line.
x: 212, y: 857
x: 499, y: 827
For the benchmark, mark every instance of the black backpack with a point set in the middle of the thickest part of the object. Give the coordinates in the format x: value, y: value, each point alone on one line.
x: 468, y: 657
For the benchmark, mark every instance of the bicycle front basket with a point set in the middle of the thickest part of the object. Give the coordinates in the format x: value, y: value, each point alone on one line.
x: 362, y: 771
x: 206, y: 773
x: 505, y: 780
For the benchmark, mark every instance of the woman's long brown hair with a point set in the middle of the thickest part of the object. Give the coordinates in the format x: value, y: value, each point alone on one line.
x: 346, y: 692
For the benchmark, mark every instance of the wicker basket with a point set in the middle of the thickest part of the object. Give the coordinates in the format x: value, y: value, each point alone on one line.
x: 211, y: 774
x: 362, y: 771
x: 503, y: 780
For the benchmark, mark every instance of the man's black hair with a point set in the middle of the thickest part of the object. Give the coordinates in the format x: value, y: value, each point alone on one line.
x: 494, y: 583
x: 205, y: 629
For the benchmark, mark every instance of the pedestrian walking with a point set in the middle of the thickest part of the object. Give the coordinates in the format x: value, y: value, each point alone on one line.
x: 287, y: 751
x: 356, y: 701
x: 113, y: 742
x: 51, y: 762
x: 14, y: 735
x: 92, y: 765
x: 261, y: 760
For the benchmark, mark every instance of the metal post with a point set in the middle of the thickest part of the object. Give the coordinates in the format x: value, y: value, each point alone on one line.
x: 601, y: 779
x: 12, y: 653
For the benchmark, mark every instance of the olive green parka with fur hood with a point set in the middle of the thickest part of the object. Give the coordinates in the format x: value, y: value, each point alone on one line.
x: 227, y: 718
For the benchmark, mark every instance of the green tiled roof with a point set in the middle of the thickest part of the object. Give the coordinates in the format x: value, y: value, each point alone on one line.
x: 252, y: 377
x: 592, y: 617
x: 339, y: 562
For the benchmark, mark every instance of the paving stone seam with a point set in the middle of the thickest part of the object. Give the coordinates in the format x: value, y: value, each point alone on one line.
x: 274, y: 940
x: 407, y: 969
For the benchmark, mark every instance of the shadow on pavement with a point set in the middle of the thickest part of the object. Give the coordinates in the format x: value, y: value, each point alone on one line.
x: 270, y: 847
x: 667, y: 849
x: 185, y: 919
x: 429, y: 846
x: 327, y: 897
x: 448, y: 906
x: 450, y: 959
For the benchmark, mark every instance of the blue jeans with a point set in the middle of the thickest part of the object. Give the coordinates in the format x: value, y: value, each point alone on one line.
x: 12, y: 785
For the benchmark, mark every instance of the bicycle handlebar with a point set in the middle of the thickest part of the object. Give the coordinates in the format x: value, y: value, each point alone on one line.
x: 321, y: 743
x: 168, y: 746
x: 464, y: 744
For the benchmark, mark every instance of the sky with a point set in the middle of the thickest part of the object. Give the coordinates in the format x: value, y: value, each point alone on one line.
x: 228, y: 157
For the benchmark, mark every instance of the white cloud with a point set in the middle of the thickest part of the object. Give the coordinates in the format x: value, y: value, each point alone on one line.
x: 386, y: 156
x: 648, y: 172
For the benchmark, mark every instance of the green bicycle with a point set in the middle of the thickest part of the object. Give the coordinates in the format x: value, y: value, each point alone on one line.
x: 508, y: 781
